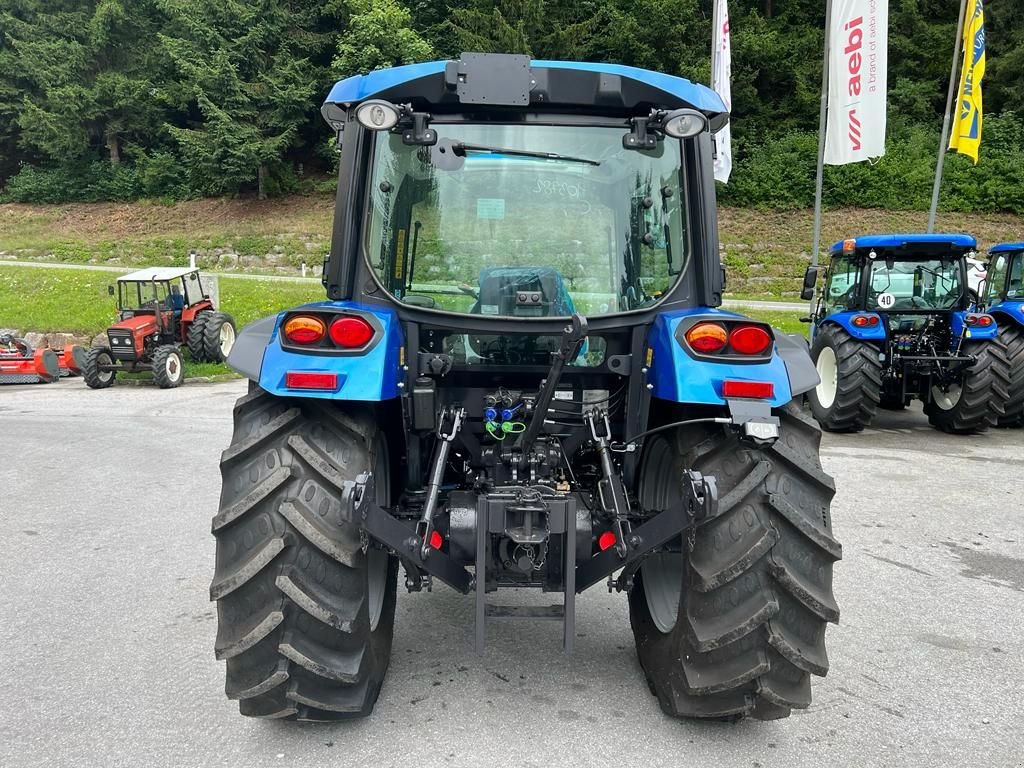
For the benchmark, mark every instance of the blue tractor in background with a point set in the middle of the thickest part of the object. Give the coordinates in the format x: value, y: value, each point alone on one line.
x: 521, y: 379
x: 1004, y: 299
x: 893, y: 322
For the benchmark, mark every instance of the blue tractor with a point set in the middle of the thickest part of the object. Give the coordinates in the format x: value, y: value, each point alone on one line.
x: 1004, y: 299
x: 521, y: 379
x: 893, y: 322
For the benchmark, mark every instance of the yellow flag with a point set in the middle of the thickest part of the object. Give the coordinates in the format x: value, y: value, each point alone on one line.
x: 966, y: 135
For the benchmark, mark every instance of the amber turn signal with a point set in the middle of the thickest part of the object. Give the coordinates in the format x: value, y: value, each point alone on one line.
x: 707, y: 337
x: 304, y: 329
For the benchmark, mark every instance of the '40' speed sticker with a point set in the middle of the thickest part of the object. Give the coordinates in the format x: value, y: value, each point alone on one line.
x: 886, y: 300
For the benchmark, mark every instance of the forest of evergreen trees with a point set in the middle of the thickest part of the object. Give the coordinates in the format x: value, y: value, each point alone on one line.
x: 171, y: 99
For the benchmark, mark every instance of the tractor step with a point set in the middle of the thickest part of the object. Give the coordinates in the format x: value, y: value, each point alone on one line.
x: 541, y: 612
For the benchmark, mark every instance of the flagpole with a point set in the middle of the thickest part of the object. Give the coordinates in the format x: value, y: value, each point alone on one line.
x: 822, y: 114
x: 937, y: 186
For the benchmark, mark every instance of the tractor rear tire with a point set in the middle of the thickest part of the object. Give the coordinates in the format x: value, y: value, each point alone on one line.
x: 91, y: 373
x: 846, y: 399
x: 306, y: 609
x: 1013, y: 337
x: 979, y: 401
x: 734, y: 626
x: 168, y: 370
x: 196, y: 337
x: 218, y: 337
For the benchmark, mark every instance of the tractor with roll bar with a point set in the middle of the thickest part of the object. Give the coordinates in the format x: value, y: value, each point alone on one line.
x: 521, y: 377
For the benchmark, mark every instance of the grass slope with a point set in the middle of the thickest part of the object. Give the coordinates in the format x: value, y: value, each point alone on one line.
x: 765, y: 252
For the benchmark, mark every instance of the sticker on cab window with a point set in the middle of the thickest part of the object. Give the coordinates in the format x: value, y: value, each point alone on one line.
x: 886, y: 300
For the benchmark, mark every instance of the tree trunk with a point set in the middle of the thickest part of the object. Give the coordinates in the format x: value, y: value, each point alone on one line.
x: 113, y: 147
x: 261, y: 176
x: 768, y: 9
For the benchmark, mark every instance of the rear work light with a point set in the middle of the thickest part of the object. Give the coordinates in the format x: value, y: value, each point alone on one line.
x: 707, y: 337
x: 864, y: 321
x: 304, y: 329
x: 351, y: 332
x: 749, y: 339
x: 606, y: 540
x: 758, y: 390
x: 310, y: 380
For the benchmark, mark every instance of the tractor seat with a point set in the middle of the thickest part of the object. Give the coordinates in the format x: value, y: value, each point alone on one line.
x: 523, y: 292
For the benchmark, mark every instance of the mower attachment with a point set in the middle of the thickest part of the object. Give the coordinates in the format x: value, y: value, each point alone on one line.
x: 21, y: 364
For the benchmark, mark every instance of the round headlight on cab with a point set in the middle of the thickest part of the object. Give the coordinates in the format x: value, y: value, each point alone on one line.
x: 684, y: 123
x: 377, y: 115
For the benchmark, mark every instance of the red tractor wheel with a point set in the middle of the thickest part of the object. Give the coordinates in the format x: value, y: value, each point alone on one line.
x: 196, y: 337
x: 98, y: 368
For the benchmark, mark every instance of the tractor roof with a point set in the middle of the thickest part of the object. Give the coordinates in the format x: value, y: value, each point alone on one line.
x: 156, y: 273
x: 908, y: 241
x: 556, y: 83
x: 1006, y: 247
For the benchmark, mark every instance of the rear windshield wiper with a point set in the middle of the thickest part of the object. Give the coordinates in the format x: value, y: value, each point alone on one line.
x: 461, y: 148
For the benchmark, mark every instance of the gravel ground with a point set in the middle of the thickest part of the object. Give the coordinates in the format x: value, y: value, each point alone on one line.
x: 107, y: 632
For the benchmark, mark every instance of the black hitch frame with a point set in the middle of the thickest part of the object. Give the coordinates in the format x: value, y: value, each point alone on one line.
x: 698, y: 501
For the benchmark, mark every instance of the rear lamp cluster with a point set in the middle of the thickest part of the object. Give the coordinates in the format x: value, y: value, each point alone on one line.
x: 709, y: 338
x: 982, y: 321
x: 865, y: 321
x: 344, y: 331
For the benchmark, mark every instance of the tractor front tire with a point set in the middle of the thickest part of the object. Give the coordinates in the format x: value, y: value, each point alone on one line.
x: 196, y: 337
x: 168, y: 370
x: 847, y: 397
x: 305, y: 606
x: 734, y: 626
x: 1012, y: 336
x: 979, y: 400
x: 218, y: 337
x: 95, y: 359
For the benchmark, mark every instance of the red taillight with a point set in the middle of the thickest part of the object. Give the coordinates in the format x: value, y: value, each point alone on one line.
x: 984, y: 321
x: 749, y: 339
x: 606, y: 541
x: 351, y: 332
x: 310, y: 380
x: 707, y: 337
x: 435, y: 540
x: 863, y: 321
x: 304, y: 329
x: 760, y: 390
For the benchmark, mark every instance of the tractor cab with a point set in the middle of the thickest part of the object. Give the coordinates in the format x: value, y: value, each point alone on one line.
x: 906, y: 277
x: 893, y: 323
x: 1005, y: 274
x: 163, y: 289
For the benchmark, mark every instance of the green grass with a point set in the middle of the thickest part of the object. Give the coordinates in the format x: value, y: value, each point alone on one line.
x: 785, y: 321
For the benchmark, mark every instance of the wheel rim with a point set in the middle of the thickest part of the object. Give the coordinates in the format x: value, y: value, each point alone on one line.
x: 947, y: 400
x: 662, y: 572
x: 172, y: 365
x: 828, y: 372
x: 662, y: 575
x: 104, y: 376
x: 377, y: 559
x: 227, y: 339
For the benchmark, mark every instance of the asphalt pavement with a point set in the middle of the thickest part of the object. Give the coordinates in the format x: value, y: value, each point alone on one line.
x: 106, y: 631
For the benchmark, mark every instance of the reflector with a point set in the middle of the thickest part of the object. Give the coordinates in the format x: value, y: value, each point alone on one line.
x: 310, y: 380
x: 760, y: 390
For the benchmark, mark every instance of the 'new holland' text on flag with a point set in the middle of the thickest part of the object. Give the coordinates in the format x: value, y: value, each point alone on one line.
x: 858, y: 54
x: 966, y: 135
x: 721, y: 75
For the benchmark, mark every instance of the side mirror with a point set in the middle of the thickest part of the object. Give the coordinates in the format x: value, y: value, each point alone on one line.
x: 810, y: 280
x: 110, y: 290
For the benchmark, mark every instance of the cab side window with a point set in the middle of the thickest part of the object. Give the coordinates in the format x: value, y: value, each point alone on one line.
x: 843, y: 282
x: 996, y: 279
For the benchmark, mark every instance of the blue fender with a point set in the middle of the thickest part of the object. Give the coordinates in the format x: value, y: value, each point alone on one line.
x: 959, y: 328
x: 864, y: 333
x: 1007, y: 312
x: 677, y: 376
x: 370, y: 376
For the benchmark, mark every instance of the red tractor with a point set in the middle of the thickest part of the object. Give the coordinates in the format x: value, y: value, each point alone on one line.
x: 161, y: 309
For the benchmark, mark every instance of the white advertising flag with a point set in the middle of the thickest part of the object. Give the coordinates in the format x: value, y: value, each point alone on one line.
x: 721, y: 76
x: 858, y: 52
